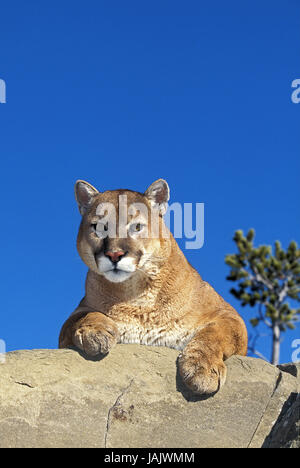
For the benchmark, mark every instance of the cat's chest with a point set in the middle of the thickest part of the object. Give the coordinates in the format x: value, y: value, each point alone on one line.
x: 171, y: 335
x: 149, y: 323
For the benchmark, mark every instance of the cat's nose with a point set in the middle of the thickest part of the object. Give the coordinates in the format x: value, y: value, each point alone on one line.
x: 115, y: 257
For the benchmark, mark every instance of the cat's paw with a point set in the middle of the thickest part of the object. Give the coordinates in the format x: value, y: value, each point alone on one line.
x: 204, y: 377
x: 95, y: 339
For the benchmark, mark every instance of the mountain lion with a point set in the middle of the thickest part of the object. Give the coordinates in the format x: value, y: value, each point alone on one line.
x: 141, y: 289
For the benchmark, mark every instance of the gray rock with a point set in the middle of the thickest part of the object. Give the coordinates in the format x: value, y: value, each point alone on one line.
x: 134, y: 398
x: 286, y: 431
x: 292, y: 368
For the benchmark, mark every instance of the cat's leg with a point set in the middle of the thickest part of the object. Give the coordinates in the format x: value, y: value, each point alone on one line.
x: 201, y: 363
x: 92, y: 332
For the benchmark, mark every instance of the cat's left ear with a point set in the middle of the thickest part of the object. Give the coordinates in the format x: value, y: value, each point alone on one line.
x: 159, y: 194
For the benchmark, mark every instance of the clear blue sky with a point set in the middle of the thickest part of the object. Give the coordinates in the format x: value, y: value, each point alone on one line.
x: 120, y: 94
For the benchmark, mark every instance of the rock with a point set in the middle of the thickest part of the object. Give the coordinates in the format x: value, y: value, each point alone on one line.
x: 286, y: 431
x: 292, y: 368
x: 134, y: 397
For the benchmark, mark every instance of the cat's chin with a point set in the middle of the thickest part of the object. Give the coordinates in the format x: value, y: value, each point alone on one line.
x: 117, y: 276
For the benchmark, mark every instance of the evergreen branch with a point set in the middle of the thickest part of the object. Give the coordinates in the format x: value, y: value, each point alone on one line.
x: 258, y: 277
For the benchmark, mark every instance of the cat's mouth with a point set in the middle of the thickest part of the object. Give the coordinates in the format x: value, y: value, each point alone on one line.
x: 116, y: 271
x: 116, y: 275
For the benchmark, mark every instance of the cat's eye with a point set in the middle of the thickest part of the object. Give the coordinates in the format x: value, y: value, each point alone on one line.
x: 100, y: 229
x: 137, y: 227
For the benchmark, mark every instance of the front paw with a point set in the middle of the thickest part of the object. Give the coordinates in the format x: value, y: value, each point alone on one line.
x: 95, y: 339
x: 202, y: 376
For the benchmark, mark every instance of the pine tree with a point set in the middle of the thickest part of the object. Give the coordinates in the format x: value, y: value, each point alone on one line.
x: 266, y: 280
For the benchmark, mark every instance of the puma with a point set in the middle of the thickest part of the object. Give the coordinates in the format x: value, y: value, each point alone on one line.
x: 141, y: 289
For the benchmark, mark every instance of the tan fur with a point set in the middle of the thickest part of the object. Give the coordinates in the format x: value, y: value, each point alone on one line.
x: 164, y: 303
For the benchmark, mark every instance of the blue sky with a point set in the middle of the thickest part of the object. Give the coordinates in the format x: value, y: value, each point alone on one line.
x: 120, y: 94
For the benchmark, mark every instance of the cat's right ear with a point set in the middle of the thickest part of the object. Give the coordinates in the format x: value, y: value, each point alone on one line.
x: 84, y: 194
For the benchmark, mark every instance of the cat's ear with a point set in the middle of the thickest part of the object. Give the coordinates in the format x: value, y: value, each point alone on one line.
x: 159, y: 194
x: 84, y: 194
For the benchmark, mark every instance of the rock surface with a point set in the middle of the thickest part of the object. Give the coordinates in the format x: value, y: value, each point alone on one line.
x: 134, y: 398
x: 286, y: 431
